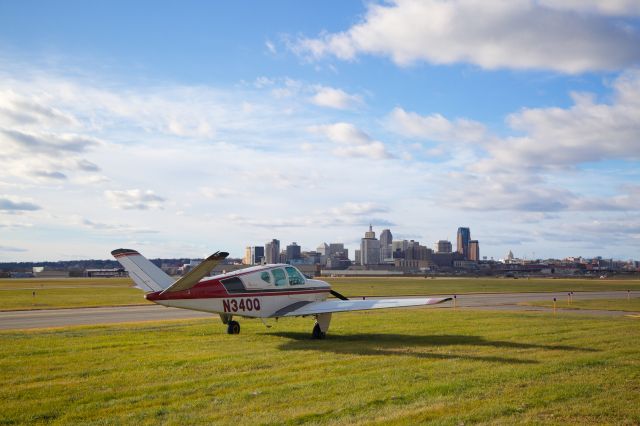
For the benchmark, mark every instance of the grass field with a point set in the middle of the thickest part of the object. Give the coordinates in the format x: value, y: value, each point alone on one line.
x: 18, y: 294
x: 393, y: 367
x: 82, y: 292
x: 631, y: 305
x: 419, y: 286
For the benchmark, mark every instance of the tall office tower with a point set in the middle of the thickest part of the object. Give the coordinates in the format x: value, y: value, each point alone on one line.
x: 370, y: 233
x: 358, y: 258
x: 246, y: 260
x: 369, y: 248
x: 443, y: 246
x: 335, y: 248
x: 257, y: 255
x: 293, y: 252
x: 386, y: 254
x: 386, y: 237
x: 464, y: 235
x: 272, y: 251
x: 474, y: 250
x: 399, y: 248
x: 323, y: 249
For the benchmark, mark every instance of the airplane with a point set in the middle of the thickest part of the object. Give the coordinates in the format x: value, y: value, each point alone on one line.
x: 263, y: 291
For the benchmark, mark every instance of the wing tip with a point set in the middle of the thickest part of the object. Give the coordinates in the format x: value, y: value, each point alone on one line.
x: 123, y: 252
x: 219, y: 255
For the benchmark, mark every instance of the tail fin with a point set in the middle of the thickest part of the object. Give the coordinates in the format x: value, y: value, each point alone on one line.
x: 145, y: 274
x: 196, y: 274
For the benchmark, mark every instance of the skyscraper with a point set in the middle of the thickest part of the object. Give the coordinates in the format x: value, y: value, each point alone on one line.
x: 323, y: 249
x: 386, y: 254
x: 254, y: 255
x: 272, y: 251
x: 464, y: 236
x: 474, y: 250
x: 293, y: 252
x: 386, y: 237
x: 443, y: 246
x: 369, y: 248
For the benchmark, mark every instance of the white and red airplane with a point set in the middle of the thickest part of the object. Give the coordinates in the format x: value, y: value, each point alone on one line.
x: 265, y: 291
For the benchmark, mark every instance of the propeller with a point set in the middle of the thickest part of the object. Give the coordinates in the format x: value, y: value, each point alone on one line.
x: 338, y: 295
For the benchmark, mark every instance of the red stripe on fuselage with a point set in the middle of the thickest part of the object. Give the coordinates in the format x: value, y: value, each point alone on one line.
x: 213, y: 289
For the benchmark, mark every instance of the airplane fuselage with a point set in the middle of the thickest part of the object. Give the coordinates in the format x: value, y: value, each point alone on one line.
x: 263, y: 291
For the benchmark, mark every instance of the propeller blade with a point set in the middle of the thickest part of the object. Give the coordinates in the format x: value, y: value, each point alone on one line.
x: 338, y: 295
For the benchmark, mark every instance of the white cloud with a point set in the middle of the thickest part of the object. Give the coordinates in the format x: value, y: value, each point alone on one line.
x: 10, y: 203
x: 335, y: 98
x: 12, y: 249
x: 606, y: 7
x: 134, y: 199
x: 270, y: 47
x: 113, y: 228
x: 348, y: 214
x: 517, y: 34
x: 588, y: 131
x: 435, y: 127
x: 45, y: 143
x: 358, y: 209
x: 351, y: 141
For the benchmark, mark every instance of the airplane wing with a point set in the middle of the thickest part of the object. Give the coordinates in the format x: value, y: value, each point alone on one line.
x: 196, y: 274
x: 314, y: 308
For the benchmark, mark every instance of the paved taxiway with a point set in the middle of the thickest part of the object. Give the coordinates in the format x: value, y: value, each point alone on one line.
x: 119, y: 314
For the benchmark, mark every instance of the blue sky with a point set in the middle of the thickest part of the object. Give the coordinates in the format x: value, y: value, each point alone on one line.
x: 183, y: 128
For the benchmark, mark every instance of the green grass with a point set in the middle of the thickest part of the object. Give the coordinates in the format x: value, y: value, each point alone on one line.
x: 84, y: 292
x: 418, y: 286
x: 630, y: 305
x: 390, y: 367
x: 18, y: 294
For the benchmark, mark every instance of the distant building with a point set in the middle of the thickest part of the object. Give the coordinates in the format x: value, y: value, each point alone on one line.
x: 386, y: 252
x: 474, y: 250
x: 253, y: 255
x: 257, y: 255
x: 105, y: 272
x: 246, y: 260
x: 510, y: 257
x: 464, y: 236
x: 293, y: 252
x: 369, y: 248
x: 443, y: 246
x: 386, y: 237
x: 272, y: 251
x: 399, y: 248
x: 323, y: 249
x: 358, y: 257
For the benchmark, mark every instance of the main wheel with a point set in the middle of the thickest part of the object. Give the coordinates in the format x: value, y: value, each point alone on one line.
x: 317, y: 333
x: 233, y: 327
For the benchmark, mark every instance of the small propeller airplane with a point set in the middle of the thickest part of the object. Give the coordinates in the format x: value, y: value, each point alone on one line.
x: 264, y: 291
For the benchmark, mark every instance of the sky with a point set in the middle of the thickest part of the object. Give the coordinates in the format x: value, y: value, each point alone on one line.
x: 183, y: 128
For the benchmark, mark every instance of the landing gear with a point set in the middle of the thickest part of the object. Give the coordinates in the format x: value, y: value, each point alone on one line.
x: 321, y: 327
x: 317, y: 334
x: 233, y: 327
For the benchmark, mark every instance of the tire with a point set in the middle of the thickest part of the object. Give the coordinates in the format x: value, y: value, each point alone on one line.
x: 317, y: 334
x: 233, y: 327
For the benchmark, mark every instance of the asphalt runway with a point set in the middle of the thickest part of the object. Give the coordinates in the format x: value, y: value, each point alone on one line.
x: 120, y: 314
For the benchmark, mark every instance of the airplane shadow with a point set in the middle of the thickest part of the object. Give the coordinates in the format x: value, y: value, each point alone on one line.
x: 406, y: 345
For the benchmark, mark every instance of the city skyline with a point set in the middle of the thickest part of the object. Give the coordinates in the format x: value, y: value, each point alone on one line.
x: 182, y: 129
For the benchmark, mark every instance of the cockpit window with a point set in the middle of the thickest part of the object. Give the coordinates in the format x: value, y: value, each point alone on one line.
x: 295, y: 277
x: 233, y: 285
x: 266, y: 277
x: 279, y: 277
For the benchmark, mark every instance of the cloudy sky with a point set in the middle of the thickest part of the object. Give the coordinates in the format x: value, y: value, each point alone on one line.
x: 183, y: 128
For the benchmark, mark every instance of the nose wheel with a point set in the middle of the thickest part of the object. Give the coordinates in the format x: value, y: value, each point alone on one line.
x: 233, y: 327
